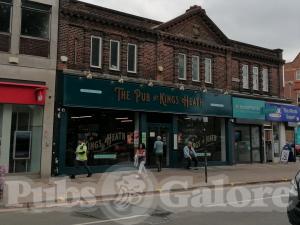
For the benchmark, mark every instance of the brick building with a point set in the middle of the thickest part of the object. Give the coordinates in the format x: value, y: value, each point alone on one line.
x: 28, y: 51
x: 124, y: 79
x: 292, y: 80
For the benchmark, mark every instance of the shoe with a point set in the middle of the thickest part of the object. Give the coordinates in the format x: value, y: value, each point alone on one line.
x: 89, y: 175
x: 188, y: 168
x: 72, y: 177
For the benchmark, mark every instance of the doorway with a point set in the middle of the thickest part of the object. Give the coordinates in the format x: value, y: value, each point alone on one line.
x: 154, y: 130
x: 248, y: 147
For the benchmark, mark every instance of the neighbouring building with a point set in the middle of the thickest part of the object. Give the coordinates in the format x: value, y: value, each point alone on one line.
x: 28, y: 53
x: 292, y: 80
x: 123, y: 80
x: 292, y: 92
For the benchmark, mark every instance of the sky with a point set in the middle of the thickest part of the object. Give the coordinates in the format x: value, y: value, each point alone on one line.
x: 266, y: 23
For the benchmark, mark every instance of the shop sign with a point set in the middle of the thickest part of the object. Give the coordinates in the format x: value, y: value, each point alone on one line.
x: 97, y: 93
x: 282, y: 113
x: 248, y: 109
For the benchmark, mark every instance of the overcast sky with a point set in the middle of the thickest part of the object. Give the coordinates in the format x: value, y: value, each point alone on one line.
x: 267, y: 23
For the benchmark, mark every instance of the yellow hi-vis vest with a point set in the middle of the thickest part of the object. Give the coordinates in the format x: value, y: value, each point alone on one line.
x: 81, y: 152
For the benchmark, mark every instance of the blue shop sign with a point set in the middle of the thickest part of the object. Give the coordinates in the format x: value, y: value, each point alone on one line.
x: 248, y: 109
x: 282, y: 113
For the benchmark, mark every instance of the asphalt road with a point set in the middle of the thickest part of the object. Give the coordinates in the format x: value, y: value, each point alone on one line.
x: 260, y: 204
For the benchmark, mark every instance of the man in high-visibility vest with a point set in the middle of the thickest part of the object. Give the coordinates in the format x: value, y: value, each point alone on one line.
x: 81, y: 158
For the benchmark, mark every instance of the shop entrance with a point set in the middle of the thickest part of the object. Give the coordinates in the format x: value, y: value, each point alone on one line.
x: 248, y: 144
x: 154, y: 130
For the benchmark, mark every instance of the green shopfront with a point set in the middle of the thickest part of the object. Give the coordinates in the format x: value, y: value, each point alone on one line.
x: 249, y: 118
x: 114, y: 118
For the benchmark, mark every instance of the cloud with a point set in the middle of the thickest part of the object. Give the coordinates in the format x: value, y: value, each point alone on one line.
x: 268, y: 23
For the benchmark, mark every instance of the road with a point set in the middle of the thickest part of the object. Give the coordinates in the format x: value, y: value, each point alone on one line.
x: 259, y: 204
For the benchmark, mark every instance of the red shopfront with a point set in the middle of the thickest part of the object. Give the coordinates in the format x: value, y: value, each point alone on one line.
x: 21, y: 126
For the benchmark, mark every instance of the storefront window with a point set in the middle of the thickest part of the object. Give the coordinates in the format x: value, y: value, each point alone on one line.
x: 107, y: 133
x: 207, y: 136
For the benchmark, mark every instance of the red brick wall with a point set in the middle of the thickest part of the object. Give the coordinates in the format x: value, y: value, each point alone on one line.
x: 30, y: 46
x: 4, y: 43
x: 292, y: 86
x: 155, y: 51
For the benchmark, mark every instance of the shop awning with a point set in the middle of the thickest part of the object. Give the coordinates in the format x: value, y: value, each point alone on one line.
x: 22, y: 93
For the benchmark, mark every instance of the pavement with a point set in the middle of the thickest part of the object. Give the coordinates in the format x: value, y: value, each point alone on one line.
x: 25, y: 192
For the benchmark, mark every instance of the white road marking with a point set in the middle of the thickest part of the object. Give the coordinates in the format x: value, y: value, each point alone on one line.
x: 112, y: 220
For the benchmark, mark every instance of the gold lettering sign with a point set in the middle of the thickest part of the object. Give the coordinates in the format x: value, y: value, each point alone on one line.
x: 163, y: 99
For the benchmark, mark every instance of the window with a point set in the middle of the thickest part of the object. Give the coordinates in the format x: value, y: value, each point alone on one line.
x: 96, y: 52
x: 131, y: 58
x: 114, y: 60
x: 181, y: 66
x: 255, y: 78
x: 298, y: 75
x: 245, y: 76
x: 191, y: 128
x: 195, y: 68
x: 35, y: 19
x: 208, y: 75
x: 265, y: 77
x: 5, y: 14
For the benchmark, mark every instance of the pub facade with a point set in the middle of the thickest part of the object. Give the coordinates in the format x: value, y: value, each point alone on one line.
x: 123, y: 80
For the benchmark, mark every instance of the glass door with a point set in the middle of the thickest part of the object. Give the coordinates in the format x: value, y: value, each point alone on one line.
x: 155, y: 130
x: 256, y: 144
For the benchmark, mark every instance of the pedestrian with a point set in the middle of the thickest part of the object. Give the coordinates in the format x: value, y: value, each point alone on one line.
x: 159, y: 151
x: 81, y: 158
x: 141, y: 156
x: 190, y: 155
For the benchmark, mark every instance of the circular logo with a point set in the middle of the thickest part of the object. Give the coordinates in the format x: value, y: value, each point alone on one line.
x: 128, y: 189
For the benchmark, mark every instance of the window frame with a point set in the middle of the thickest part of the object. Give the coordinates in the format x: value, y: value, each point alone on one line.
x: 184, y: 65
x: 198, y: 68
x: 265, y: 75
x: 10, y: 18
x: 297, y: 75
x: 210, y: 81
x: 135, y: 57
x: 100, y: 52
x: 118, y: 55
x: 257, y: 76
x: 243, y: 77
x: 37, y: 10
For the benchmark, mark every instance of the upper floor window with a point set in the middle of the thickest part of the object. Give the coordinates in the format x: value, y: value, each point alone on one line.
x: 131, y: 58
x: 245, y: 76
x: 298, y: 74
x: 5, y: 15
x: 208, y: 73
x: 181, y: 66
x: 195, y: 68
x: 35, y: 19
x: 96, y: 52
x: 265, y: 77
x: 255, y: 80
x: 114, y: 56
